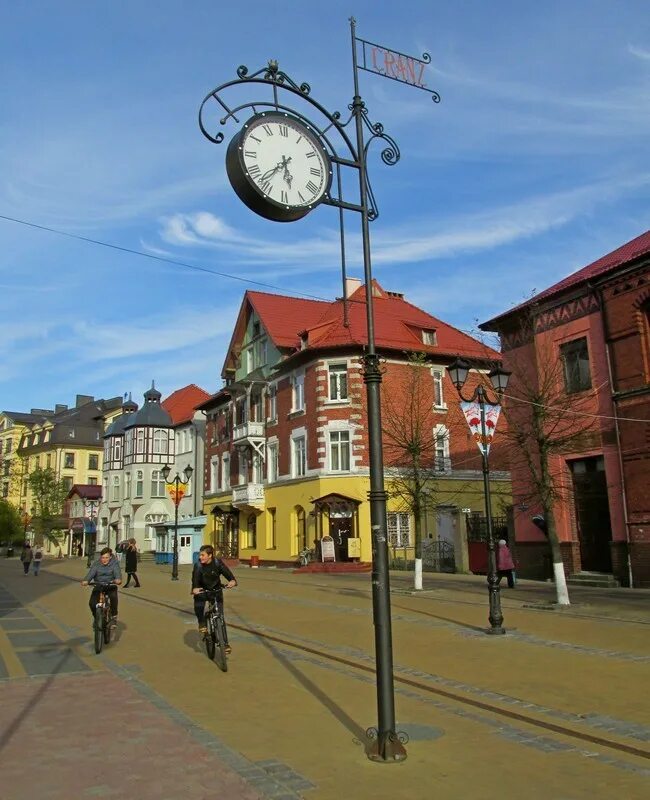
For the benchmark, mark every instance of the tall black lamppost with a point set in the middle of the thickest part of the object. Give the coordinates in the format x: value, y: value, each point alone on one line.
x: 177, y: 496
x: 458, y: 372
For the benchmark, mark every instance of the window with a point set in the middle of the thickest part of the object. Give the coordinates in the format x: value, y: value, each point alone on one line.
x: 256, y: 329
x: 298, y: 392
x: 107, y: 450
x: 157, y: 484
x: 429, y: 337
x: 338, y: 381
x: 48, y: 461
x: 8, y: 445
x: 225, y: 471
x: 340, y: 451
x: 399, y: 530
x: 69, y: 461
x: 214, y: 474
x: 270, y: 530
x: 106, y: 489
x: 272, y: 462
x: 126, y: 526
x: 438, y: 397
x: 243, y: 464
x: 92, y: 481
x: 273, y: 402
x: 129, y: 443
x: 441, y: 459
x: 139, y: 483
x: 252, y: 531
x: 139, y: 442
x: 127, y: 485
x: 159, y: 441
x: 116, y: 488
x: 5, y: 469
x: 93, y: 461
x: 575, y: 360
x: 118, y: 450
x: 299, y: 456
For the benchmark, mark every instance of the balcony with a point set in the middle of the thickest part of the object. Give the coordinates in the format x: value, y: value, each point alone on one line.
x: 248, y: 494
x: 248, y: 432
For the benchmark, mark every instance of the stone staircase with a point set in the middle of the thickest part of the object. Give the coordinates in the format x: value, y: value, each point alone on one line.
x: 603, y: 580
x: 148, y: 557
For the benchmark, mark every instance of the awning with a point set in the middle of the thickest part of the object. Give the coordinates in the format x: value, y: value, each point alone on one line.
x: 336, y: 502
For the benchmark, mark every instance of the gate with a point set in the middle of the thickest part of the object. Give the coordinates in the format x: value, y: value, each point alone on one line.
x: 438, y: 556
x: 477, y: 540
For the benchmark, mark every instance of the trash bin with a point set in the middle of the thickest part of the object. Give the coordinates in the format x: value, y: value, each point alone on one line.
x: 255, y: 562
x: 10, y: 552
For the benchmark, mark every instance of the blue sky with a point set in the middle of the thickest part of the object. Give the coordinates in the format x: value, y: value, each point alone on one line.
x: 534, y: 164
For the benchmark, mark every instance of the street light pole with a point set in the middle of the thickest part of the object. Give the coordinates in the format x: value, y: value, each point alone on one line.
x: 458, y: 372
x: 176, y: 497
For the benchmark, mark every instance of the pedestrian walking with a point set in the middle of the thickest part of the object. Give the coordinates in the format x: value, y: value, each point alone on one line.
x: 80, y: 550
x: 38, y: 557
x: 131, y: 563
x: 26, y: 556
x: 505, y: 564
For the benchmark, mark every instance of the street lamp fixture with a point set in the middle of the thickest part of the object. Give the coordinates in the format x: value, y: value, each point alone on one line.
x: 176, y: 495
x: 458, y: 372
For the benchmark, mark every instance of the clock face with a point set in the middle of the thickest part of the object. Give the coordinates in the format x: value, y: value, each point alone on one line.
x: 283, y: 162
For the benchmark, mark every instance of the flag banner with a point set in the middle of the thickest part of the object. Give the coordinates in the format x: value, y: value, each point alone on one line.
x: 176, y: 494
x: 395, y: 65
x: 472, y: 412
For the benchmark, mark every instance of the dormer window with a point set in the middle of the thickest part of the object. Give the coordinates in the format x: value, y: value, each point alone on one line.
x: 429, y: 337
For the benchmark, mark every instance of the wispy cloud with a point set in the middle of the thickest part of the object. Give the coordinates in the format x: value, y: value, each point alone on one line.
x: 639, y: 52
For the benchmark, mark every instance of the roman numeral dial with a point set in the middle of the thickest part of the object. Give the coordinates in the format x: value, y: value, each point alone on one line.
x: 284, y: 162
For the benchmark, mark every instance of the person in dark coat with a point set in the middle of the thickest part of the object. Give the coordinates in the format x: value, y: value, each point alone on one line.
x: 207, y: 575
x: 26, y: 557
x: 131, y: 564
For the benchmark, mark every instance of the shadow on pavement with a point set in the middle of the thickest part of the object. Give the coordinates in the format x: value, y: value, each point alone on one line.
x: 337, y: 712
x: 193, y: 640
x: 441, y: 618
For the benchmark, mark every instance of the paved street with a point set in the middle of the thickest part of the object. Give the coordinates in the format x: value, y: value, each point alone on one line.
x: 556, y: 709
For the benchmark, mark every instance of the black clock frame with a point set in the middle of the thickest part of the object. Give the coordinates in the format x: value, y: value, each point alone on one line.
x: 249, y: 191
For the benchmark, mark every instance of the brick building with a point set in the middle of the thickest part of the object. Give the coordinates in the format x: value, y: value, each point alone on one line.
x: 286, y: 438
x: 595, y: 324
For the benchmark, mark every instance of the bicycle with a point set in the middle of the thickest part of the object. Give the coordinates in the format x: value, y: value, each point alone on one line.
x: 103, y: 622
x: 215, y: 637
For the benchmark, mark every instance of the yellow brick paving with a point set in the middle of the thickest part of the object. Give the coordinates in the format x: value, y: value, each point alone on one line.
x: 280, y: 703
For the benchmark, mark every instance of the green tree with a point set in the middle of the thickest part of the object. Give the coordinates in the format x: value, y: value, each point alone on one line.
x: 48, y: 497
x: 11, y: 525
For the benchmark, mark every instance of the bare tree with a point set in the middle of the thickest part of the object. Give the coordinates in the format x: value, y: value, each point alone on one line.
x: 545, y: 423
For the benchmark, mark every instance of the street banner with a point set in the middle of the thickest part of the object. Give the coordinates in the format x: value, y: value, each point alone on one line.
x: 472, y: 412
x: 176, y: 494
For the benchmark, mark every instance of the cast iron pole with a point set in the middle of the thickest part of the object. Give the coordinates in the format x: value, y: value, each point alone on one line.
x: 496, y: 615
x: 175, y: 555
x: 386, y: 746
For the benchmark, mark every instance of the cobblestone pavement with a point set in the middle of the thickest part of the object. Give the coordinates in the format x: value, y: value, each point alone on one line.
x: 556, y: 707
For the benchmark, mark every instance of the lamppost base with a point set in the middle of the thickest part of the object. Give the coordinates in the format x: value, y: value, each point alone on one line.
x: 387, y: 748
x: 495, y: 631
x: 174, y: 577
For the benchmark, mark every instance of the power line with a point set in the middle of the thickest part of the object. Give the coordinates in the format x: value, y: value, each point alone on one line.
x: 575, y: 413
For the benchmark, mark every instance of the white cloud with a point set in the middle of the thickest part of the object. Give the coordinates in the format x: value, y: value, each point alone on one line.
x: 639, y: 52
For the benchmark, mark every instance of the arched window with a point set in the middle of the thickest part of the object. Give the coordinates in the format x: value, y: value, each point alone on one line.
x: 160, y: 441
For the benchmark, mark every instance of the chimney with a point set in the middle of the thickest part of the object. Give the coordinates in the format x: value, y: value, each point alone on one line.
x: 83, y: 399
x: 351, y: 286
x: 59, y: 407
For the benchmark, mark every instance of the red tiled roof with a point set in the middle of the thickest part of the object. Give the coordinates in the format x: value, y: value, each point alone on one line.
x: 628, y: 252
x: 180, y: 404
x: 398, y: 324
x: 86, y: 491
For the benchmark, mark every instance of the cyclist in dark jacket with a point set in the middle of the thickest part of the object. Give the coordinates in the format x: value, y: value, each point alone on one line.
x: 106, y: 570
x: 207, y: 575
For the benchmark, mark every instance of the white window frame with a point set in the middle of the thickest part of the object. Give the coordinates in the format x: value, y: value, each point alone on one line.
x: 160, y: 441
x: 214, y: 474
x: 398, y: 527
x: 337, y: 447
x: 299, y: 435
x: 127, y: 485
x: 139, y: 483
x: 273, y: 402
x: 336, y: 370
x: 225, y: 471
x: 272, y: 461
x: 298, y: 392
x: 156, y: 483
x: 437, y: 376
x: 115, y: 489
x: 441, y: 435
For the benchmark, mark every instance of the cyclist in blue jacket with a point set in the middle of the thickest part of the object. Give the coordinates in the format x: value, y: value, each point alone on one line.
x: 106, y: 570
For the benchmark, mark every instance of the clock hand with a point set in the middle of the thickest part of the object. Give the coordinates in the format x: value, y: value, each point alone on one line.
x: 271, y: 172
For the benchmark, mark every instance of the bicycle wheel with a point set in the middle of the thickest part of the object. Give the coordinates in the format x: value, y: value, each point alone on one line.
x: 99, y: 629
x: 220, y: 630
x: 107, y: 625
x: 208, y: 637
